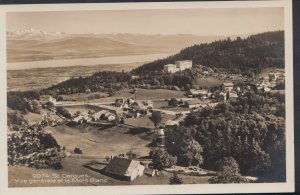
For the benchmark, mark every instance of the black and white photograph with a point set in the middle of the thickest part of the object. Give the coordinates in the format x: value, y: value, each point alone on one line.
x: 149, y: 94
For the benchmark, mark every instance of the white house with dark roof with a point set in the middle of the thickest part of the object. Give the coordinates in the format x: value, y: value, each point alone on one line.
x: 198, y: 93
x: 227, y: 86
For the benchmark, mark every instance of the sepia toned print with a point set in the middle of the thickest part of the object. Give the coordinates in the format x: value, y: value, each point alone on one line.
x: 147, y: 97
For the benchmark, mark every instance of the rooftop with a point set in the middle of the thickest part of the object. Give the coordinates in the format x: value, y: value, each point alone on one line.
x: 121, y: 166
x: 228, y: 84
x: 169, y: 65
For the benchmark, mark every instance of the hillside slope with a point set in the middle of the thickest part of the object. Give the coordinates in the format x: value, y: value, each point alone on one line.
x: 240, y: 55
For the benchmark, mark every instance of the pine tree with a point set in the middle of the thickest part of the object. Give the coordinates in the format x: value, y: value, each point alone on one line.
x: 175, y: 179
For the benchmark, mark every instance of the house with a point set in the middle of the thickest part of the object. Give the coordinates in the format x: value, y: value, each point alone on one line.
x: 175, y: 88
x: 197, y: 93
x: 146, y: 163
x: 148, y: 104
x: 266, y: 89
x: 178, y: 66
x: 213, y: 104
x: 227, y: 86
x: 133, y: 114
x: 251, y: 85
x: 264, y: 85
x: 214, y: 74
x: 119, y: 102
x: 149, y: 172
x: 193, y: 103
x: 232, y: 95
x: 105, y: 114
x: 110, y: 117
x: 124, y: 169
x: 86, y: 118
x: 273, y: 75
x: 205, y: 72
x: 78, y: 120
x: 170, y: 68
x: 160, y: 132
x: 98, y: 115
x: 143, y: 104
x: 130, y: 100
x: 184, y: 64
x: 46, y: 99
x: 143, y: 111
x: 170, y: 123
x: 223, y: 97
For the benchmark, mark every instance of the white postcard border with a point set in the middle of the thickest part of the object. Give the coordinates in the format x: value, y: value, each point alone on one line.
x: 154, y: 189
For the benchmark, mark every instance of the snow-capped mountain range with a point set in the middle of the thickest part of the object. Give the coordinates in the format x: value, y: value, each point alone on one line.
x: 32, y: 33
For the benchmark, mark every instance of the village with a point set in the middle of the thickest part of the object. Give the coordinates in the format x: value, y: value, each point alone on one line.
x: 134, y: 110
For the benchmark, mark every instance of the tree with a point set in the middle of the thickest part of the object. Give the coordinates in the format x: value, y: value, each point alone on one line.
x: 77, y: 151
x: 156, y: 118
x: 60, y: 98
x: 131, y: 155
x: 173, y: 102
x: 117, y: 120
x: 64, y: 112
x: 228, y: 172
x: 111, y: 92
x: 49, y: 105
x: 162, y: 159
x: 36, y: 106
x: 180, y: 143
x: 15, y: 118
x: 175, y: 179
x: 187, y: 86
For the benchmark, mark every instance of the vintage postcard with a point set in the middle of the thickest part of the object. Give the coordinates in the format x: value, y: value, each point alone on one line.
x: 146, y: 98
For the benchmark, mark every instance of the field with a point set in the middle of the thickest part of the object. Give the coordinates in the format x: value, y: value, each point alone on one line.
x: 99, y: 142
x: 150, y: 94
x: 141, y: 94
x: 38, y: 78
x: 145, y: 122
x: 84, y: 96
x: 208, y: 82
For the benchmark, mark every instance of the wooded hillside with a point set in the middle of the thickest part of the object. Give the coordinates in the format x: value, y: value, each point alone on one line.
x: 240, y: 55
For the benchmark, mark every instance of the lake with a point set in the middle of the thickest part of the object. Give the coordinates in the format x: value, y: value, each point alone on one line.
x: 86, y: 61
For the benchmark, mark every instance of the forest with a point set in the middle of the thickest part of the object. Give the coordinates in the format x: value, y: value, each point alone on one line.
x: 235, y: 56
x: 251, y: 130
x: 99, y: 81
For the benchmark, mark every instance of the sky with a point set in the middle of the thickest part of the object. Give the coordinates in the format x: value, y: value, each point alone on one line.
x: 209, y: 21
